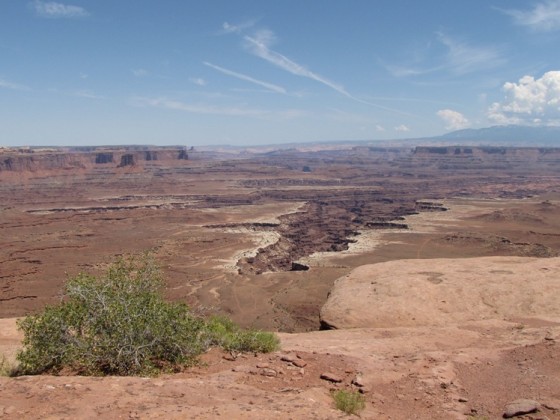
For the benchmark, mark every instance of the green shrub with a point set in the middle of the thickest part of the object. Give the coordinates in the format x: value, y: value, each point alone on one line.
x: 349, y: 401
x: 223, y: 332
x: 119, y: 324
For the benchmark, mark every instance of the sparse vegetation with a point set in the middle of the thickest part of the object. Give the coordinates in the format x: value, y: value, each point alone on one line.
x: 351, y: 402
x: 7, y: 366
x: 119, y: 324
x: 225, y: 333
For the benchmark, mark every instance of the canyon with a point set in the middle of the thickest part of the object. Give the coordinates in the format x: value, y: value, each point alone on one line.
x: 268, y: 235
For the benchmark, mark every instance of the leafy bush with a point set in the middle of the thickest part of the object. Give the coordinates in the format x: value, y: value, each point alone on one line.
x: 119, y: 324
x: 349, y: 401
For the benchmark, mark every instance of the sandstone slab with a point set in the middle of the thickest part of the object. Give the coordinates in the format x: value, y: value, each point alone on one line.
x: 439, y: 292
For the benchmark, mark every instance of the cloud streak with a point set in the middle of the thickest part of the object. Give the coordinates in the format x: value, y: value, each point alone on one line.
x: 460, y: 58
x: 5, y: 84
x: 259, y: 46
x: 85, y: 93
x: 228, y: 28
x: 269, y: 86
x: 197, y: 81
x: 204, y: 109
x: 463, y: 58
x: 55, y: 10
x: 545, y: 16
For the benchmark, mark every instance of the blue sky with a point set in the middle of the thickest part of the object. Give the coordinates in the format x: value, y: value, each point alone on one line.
x: 258, y: 72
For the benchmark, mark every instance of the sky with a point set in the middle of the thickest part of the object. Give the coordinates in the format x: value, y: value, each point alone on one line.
x: 239, y: 72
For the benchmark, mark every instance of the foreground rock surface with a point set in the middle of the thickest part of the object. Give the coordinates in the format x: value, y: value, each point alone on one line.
x: 452, y: 372
x: 445, y: 364
x: 440, y: 292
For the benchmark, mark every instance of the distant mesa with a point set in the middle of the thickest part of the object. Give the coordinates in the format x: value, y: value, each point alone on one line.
x: 512, y: 135
x: 36, y: 159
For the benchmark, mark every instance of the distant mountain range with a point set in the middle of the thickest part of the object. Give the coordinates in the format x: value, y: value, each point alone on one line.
x: 504, y: 135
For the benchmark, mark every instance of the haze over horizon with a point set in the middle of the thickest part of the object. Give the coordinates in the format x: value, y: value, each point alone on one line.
x: 78, y: 72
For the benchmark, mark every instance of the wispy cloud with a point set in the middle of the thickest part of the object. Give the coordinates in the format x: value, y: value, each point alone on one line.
x: 545, y: 16
x: 86, y: 93
x: 5, y: 84
x: 463, y: 58
x: 459, y: 59
x: 259, y: 46
x: 228, y: 28
x: 205, y: 109
x: 269, y: 86
x: 51, y: 9
x: 173, y: 104
x: 140, y: 72
x: 197, y: 81
x: 402, y: 128
x: 404, y: 71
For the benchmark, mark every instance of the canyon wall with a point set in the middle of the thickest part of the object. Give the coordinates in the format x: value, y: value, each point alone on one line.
x: 38, y: 160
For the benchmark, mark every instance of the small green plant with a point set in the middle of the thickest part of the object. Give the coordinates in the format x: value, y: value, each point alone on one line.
x: 119, y: 324
x: 7, y: 366
x: 223, y: 332
x: 349, y: 401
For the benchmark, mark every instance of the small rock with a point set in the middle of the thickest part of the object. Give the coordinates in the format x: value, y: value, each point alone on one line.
x: 245, y: 369
x: 228, y: 357
x: 290, y: 390
x: 287, y: 358
x: 299, y: 363
x: 553, y: 405
x: 520, y: 407
x: 331, y: 377
x: 366, y: 390
x: 463, y: 400
x: 358, y: 381
x: 268, y: 372
x: 263, y: 365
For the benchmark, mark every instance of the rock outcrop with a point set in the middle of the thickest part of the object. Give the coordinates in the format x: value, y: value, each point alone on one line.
x: 439, y: 292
